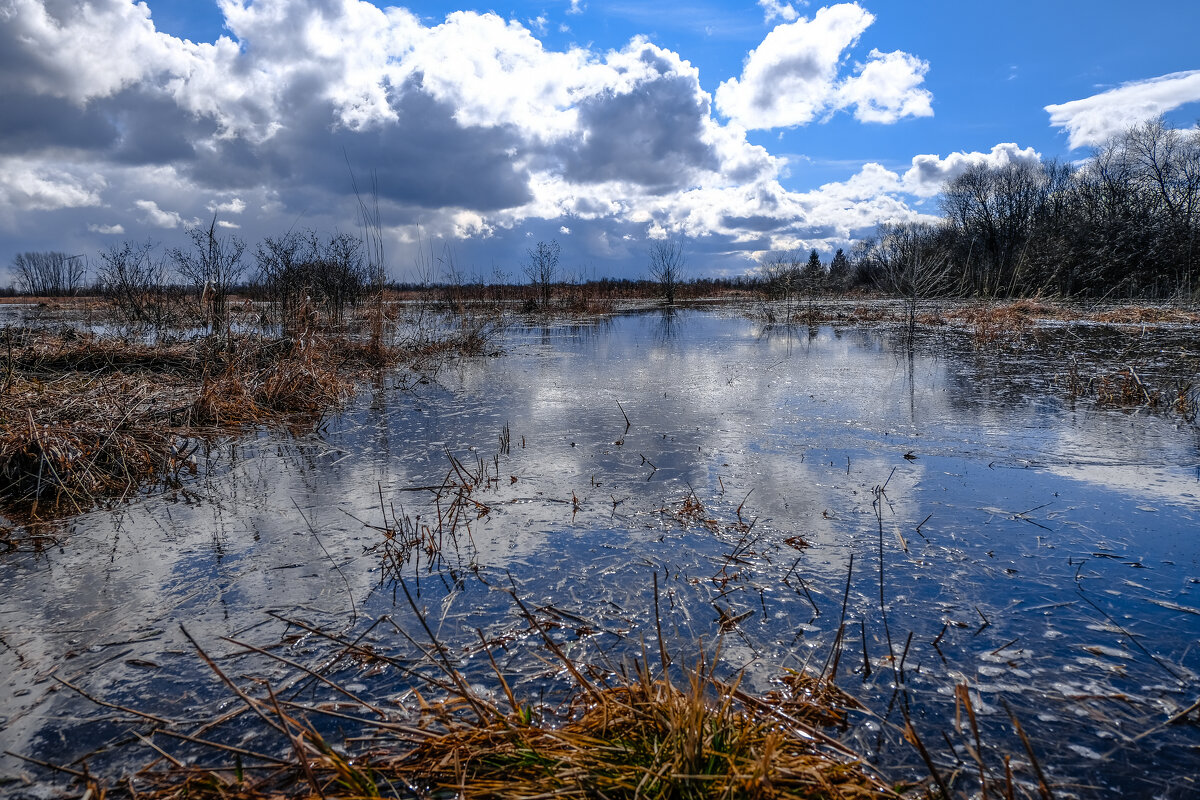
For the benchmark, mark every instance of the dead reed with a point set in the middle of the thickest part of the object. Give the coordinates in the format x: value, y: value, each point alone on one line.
x: 87, y: 419
x: 69, y: 441
x: 1004, y: 323
x: 1126, y: 388
x: 621, y: 732
x: 1144, y: 315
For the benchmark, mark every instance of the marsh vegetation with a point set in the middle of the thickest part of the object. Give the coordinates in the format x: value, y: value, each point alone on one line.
x: 669, y: 552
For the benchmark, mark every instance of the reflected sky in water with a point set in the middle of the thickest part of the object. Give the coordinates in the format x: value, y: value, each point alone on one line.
x: 1041, y: 550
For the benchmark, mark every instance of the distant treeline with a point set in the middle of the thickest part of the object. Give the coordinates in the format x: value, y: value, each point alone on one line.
x: 1124, y: 223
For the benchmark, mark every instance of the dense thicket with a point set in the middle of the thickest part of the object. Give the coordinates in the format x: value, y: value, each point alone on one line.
x: 1125, y: 223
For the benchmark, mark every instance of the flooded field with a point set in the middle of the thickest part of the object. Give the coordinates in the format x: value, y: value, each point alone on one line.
x: 929, y: 521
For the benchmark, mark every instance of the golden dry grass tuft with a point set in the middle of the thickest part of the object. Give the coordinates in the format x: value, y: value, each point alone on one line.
x: 644, y: 737
x: 624, y: 735
x: 1005, y: 322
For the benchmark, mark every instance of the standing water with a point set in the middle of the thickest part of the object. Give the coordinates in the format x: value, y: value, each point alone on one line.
x: 931, y: 520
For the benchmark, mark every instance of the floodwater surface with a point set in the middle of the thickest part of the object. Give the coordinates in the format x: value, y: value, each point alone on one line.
x: 950, y: 509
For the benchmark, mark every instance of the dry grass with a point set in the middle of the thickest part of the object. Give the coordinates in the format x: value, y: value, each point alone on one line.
x: 1142, y: 315
x: 1005, y: 322
x: 622, y: 733
x: 264, y: 382
x: 87, y: 419
x: 69, y: 440
x: 645, y: 737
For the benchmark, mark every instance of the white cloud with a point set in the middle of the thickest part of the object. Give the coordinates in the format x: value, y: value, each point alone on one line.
x: 928, y: 172
x: 41, y: 185
x: 82, y: 51
x: 792, y: 78
x: 577, y: 7
x: 107, y: 230
x: 924, y: 178
x: 773, y: 9
x: 887, y: 88
x: 1092, y: 120
x: 235, y: 206
x: 153, y: 215
x: 871, y: 181
x: 789, y: 79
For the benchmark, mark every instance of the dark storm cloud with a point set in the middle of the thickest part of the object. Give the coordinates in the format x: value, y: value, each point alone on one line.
x: 424, y: 158
x: 152, y: 129
x: 32, y: 122
x: 758, y: 222
x: 652, y: 136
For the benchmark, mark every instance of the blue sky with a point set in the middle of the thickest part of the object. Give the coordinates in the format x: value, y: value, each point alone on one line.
x: 747, y: 127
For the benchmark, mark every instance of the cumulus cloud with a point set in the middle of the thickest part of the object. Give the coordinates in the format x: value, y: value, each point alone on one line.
x: 234, y: 206
x: 153, y: 215
x: 923, y: 179
x: 1092, y: 120
x: 107, y: 230
x: 793, y: 77
x: 82, y: 51
x: 928, y: 172
x: 470, y: 127
x: 886, y: 88
x: 42, y: 185
x: 773, y: 9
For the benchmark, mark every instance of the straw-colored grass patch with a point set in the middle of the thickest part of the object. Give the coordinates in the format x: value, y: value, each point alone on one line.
x: 87, y: 419
x: 644, y: 737
x: 623, y: 735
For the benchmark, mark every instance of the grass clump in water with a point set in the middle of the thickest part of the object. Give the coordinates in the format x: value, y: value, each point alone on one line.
x: 639, y: 736
x: 629, y: 735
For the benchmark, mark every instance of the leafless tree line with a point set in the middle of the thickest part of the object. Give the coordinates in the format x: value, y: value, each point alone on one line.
x: 1125, y: 223
x: 49, y: 274
x: 791, y: 277
x: 299, y: 274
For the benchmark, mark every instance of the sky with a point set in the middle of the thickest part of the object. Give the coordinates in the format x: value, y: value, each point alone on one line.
x: 745, y: 128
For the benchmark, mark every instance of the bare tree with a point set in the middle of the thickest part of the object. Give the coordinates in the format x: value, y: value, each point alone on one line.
x: 213, y: 265
x: 667, y: 265
x: 51, y: 273
x: 1166, y: 165
x: 542, y: 268
x: 910, y: 262
x: 781, y: 278
x: 301, y: 270
x: 135, y: 280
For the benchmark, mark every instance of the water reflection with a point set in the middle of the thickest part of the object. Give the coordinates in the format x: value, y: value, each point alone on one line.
x: 1032, y: 548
